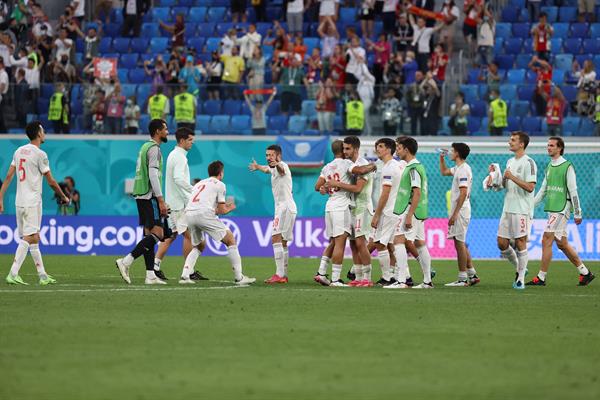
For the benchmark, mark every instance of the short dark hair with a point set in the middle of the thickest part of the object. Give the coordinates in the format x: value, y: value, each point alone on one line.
x: 215, y: 168
x: 337, y: 147
x: 461, y: 95
x: 523, y: 137
x: 70, y: 178
x: 543, y: 14
x: 275, y: 147
x: 559, y: 142
x: 155, y: 125
x: 462, y: 149
x: 33, y: 129
x: 353, y: 141
x: 387, y: 142
x: 409, y: 144
x: 183, y: 134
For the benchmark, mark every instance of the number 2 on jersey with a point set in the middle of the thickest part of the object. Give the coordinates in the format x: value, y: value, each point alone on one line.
x: 22, y: 175
x: 197, y: 196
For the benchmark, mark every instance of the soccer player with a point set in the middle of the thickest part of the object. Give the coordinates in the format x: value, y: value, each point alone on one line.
x: 30, y: 163
x: 411, y: 206
x: 384, y: 220
x: 559, y: 190
x: 285, y: 210
x: 361, y: 210
x: 177, y: 193
x: 337, y: 214
x: 150, y: 203
x: 206, y: 202
x: 519, y: 180
x: 460, y: 210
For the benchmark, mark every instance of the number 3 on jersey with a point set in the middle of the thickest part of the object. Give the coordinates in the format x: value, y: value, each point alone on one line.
x: 197, y: 195
x: 22, y: 175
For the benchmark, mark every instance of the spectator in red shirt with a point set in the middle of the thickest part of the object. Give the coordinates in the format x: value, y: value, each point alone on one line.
x: 542, y: 33
x: 337, y: 66
x: 555, y: 109
x: 176, y: 30
x: 438, y: 63
x: 543, y: 69
x: 473, y: 10
x: 383, y: 51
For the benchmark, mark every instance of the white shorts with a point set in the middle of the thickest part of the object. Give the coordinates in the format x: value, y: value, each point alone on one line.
x: 361, y: 225
x: 557, y: 224
x: 29, y: 220
x: 283, y: 224
x: 417, y: 232
x: 458, y: 231
x: 337, y: 223
x: 386, y: 229
x: 514, y: 226
x: 201, y: 223
x: 177, y: 221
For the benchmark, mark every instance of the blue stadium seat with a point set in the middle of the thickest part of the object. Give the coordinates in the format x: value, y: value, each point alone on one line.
x: 203, y: 123
x: 531, y: 124
x: 478, y: 108
x: 212, y: 44
x: 105, y: 45
x: 444, y: 129
x: 561, y: 29
x: 274, y: 13
x: 570, y: 92
x: 503, y: 30
x: 297, y: 124
x: 121, y: 45
x: 42, y: 104
x: 510, y: 14
x: 123, y: 75
x: 552, y: 13
x: 579, y: 30
x: 587, y: 127
x: 311, y: 43
x: 514, y: 123
x: 245, y: 110
x: 216, y: 14
x: 563, y: 61
x: 470, y: 92
x: 473, y: 124
x: 187, y: 3
x: 567, y: 14
x: 143, y: 123
x: 521, y: 30
x: 516, y: 76
x: 219, y: 124
x: 522, y: 61
x: 505, y: 61
x: 76, y: 107
x: 519, y: 108
x: 499, y: 45
x: 191, y: 29
x: 508, y: 92
x: 572, y: 45
x: 277, y: 124
x: 196, y: 43
x: 223, y: 27
x: 263, y: 27
x: 197, y: 14
x: 142, y: 94
x: 556, y: 45
x: 211, y: 107
x: 309, y: 108
x: 513, y: 45
x: 524, y: 15
x: 525, y: 92
x: 558, y: 76
x: 160, y: 14
x: 274, y: 108
x: 473, y: 76
x: 180, y: 10
x: 159, y: 44
x: 128, y: 90
x: 232, y: 107
x: 347, y: 15
x: 149, y: 30
x: 112, y: 30
x: 207, y: 29
x: 595, y: 29
x: 137, y: 75
x: 571, y: 125
x: 167, y: 3
x: 240, y: 124
x: 139, y: 45
x: 128, y: 61
x: 591, y: 46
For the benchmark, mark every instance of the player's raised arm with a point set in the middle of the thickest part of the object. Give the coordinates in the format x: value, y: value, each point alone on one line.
x: 254, y: 166
x: 56, y: 187
x: 5, y: 184
x: 364, y: 169
x: 443, y: 168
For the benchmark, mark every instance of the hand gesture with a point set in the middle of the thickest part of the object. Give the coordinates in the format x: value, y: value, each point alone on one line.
x: 162, y: 206
x: 323, y: 190
x: 508, y: 174
x: 253, y: 166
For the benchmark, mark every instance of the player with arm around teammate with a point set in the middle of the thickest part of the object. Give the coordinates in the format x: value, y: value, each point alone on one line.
x: 30, y: 163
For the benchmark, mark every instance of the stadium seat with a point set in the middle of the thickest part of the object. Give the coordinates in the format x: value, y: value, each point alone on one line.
x: 561, y: 29
x: 311, y: 43
x: 211, y: 107
x: 579, y: 30
x: 478, y: 108
x: 105, y: 45
x: 570, y: 92
x: 121, y: 45
x: 563, y: 61
x: 531, y: 124
x: 232, y: 107
x: 42, y: 104
x: 558, y: 76
x: 514, y: 123
x: 309, y: 108
x: 587, y: 127
x: 521, y: 30
x: 524, y: 15
x: 196, y: 43
x: 513, y: 45
x: 510, y: 14
x: 347, y: 15
x: 505, y: 61
x: 297, y: 124
x: 191, y: 29
x: 595, y: 30
x: 525, y: 92
x: 128, y: 90
x: 470, y: 92
x: 149, y: 30
x: 216, y: 14
x: 277, y: 124
x: 591, y: 46
x: 522, y: 61
x: 508, y: 92
x: 166, y: 3
x: 473, y: 76
x: 556, y: 45
x: 143, y: 123
x: 571, y: 125
x: 219, y: 124
x: 274, y: 108
x: 552, y: 13
x: 274, y: 13
x: 142, y: 95
x: 160, y: 14
x: 567, y: 14
x: 139, y: 45
x: 503, y: 30
x: 159, y: 45
x: 187, y: 3
x: 519, y: 108
x: 197, y: 14
x: 444, y: 129
x: 473, y: 124
x: 180, y: 10
x: 223, y: 27
x: 203, y: 123
x: 123, y: 75
x: 128, y: 61
x: 516, y: 76
x: 240, y: 125
x: 499, y: 45
x: 572, y: 45
x: 112, y: 30
x: 206, y: 29
x: 212, y: 44
x: 137, y: 75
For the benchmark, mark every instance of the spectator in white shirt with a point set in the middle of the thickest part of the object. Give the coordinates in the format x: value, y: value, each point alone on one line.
x: 249, y: 42
x: 227, y: 42
x: 63, y: 45
x: 329, y: 37
x: 329, y: 8
x: 485, y: 39
x: 294, y: 14
x: 422, y: 37
x: 357, y: 55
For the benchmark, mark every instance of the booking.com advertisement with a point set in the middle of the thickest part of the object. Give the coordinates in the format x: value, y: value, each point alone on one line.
x: 118, y: 235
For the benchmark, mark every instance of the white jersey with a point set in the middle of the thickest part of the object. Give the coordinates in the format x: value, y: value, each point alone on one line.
x: 390, y: 176
x: 364, y: 199
x: 282, y: 188
x: 517, y: 200
x: 462, y: 177
x: 206, y: 196
x: 338, y: 170
x: 31, y: 164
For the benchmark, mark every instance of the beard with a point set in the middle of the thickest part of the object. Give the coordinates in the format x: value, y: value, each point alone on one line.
x: 164, y: 139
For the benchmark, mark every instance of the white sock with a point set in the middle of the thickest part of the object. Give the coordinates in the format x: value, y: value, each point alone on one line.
x: 425, y: 261
x: 511, y: 256
x: 36, y: 254
x: 336, y: 272
x: 236, y: 261
x: 20, y: 255
x: 542, y: 275
x: 128, y: 260
x: 190, y: 263
x: 324, y: 265
x: 358, y: 271
x: 286, y: 259
x: 401, y: 262
x: 157, y: 262
x: 279, y: 259
x: 367, y: 272
x: 522, y: 258
x: 471, y: 272
x: 150, y: 274
x: 462, y: 276
x: 353, y: 269
x: 583, y: 270
x: 384, y: 262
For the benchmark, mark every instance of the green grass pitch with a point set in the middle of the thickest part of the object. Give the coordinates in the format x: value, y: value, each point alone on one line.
x: 93, y: 337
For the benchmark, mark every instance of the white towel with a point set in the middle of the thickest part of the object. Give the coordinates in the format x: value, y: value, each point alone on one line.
x: 496, y: 176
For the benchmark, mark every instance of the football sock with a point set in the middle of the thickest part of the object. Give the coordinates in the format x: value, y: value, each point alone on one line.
x: 149, y: 258
x: 236, y: 261
x: 353, y: 269
x: 367, y: 272
x: 20, y: 255
x: 190, y: 263
x: 542, y: 275
x: 336, y: 272
x: 157, y: 262
x: 128, y: 260
x: 286, y: 259
x: 510, y: 255
x: 401, y: 262
x: 358, y: 272
x: 471, y: 272
x: 142, y: 247
x: 150, y: 274
x: 34, y: 250
x: 583, y: 270
x: 425, y: 261
x: 522, y: 258
x: 462, y: 276
x: 279, y: 258
x: 384, y: 262
x: 324, y: 265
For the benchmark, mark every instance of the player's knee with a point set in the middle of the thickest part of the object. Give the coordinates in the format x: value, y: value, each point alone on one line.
x: 562, y: 244
x: 502, y: 244
x: 547, y: 239
x: 201, y: 246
